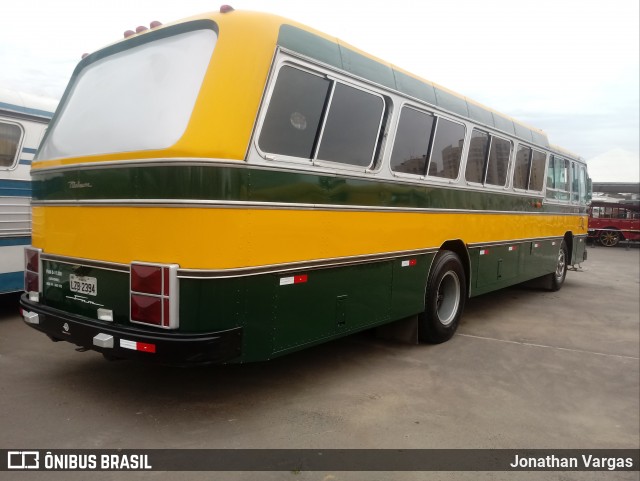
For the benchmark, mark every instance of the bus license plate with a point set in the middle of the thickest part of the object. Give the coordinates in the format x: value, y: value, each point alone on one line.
x: 83, y: 285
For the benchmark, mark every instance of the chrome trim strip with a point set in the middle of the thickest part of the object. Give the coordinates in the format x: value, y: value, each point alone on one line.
x: 236, y: 204
x: 298, y: 266
x: 479, y: 245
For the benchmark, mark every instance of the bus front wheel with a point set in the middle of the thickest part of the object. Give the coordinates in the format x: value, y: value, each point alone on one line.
x: 444, y: 300
x: 557, y: 278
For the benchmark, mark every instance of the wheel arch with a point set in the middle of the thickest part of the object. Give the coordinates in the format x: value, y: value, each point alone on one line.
x: 458, y: 247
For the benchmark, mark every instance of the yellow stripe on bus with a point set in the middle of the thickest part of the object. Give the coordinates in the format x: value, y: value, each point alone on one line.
x: 221, y: 238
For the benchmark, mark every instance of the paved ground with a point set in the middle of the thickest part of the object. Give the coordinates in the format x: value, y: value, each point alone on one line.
x: 527, y: 369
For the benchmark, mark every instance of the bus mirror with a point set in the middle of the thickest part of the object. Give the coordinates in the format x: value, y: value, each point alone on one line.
x: 589, y: 189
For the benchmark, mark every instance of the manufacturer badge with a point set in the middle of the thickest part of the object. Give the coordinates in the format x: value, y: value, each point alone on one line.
x: 65, y: 326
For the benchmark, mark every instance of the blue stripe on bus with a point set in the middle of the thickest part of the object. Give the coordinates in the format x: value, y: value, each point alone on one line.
x: 28, y: 150
x: 25, y: 162
x: 26, y: 110
x: 11, y: 282
x: 15, y: 188
x: 15, y: 241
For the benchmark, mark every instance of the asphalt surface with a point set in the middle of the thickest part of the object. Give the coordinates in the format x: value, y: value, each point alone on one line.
x: 527, y: 369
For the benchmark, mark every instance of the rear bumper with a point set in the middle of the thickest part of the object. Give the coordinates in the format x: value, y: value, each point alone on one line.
x: 164, y: 347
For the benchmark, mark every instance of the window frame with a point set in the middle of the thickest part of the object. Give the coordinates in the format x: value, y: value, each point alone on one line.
x: 532, y: 150
x: 328, y: 163
x: 375, y: 163
x: 432, y: 141
x: 408, y: 175
x: 487, y: 157
x: 16, y: 158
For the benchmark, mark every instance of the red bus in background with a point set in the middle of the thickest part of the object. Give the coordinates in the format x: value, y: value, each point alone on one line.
x: 611, y: 222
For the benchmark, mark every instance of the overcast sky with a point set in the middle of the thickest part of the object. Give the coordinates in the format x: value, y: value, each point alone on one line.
x: 569, y: 67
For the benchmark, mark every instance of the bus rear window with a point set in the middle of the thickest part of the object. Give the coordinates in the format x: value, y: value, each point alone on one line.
x: 136, y: 99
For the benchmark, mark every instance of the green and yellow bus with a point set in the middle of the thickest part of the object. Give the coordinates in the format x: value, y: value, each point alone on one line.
x: 236, y: 186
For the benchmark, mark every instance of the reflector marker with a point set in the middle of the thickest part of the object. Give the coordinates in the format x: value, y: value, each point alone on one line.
x: 285, y: 281
x: 484, y: 252
x: 137, y: 346
x: 512, y: 248
x: 408, y: 263
x: 536, y: 245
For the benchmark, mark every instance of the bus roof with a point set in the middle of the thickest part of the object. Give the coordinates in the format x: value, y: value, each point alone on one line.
x: 332, y: 51
x: 27, y: 104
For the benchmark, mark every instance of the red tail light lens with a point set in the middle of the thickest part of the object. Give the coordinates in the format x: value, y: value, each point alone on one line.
x: 154, y: 294
x: 32, y: 270
x: 146, y: 279
x: 146, y: 309
x: 31, y: 282
x: 32, y: 260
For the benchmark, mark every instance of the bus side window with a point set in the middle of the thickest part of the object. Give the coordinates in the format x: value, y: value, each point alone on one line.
x: 10, y: 136
x: 538, y: 163
x: 498, y: 165
x: 476, y: 158
x: 447, y: 149
x: 295, y: 111
x: 411, y: 146
x: 351, y: 127
x: 522, y: 168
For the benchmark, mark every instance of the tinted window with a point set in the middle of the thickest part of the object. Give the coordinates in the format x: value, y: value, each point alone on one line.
x: 538, y: 161
x: 498, y: 162
x: 583, y: 185
x: 351, y: 130
x: 447, y: 149
x: 521, y: 170
x: 10, y: 135
x: 575, y: 189
x: 411, y: 147
x: 294, y: 114
x: 558, y: 179
x: 477, y: 156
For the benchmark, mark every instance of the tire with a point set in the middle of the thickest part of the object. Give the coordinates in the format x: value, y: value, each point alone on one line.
x: 557, y: 278
x: 445, y: 297
x: 609, y: 238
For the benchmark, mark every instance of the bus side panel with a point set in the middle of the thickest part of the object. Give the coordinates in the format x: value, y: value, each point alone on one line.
x: 208, y: 305
x: 330, y: 303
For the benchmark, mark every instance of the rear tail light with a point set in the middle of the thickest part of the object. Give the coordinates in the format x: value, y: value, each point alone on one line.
x: 33, y: 273
x: 154, y: 294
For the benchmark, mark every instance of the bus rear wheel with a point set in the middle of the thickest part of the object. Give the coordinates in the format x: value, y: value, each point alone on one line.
x: 444, y: 300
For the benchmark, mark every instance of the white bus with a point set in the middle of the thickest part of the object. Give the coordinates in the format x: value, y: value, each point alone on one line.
x: 23, y: 120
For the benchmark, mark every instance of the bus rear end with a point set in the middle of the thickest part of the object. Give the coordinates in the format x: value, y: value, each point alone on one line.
x: 116, y: 189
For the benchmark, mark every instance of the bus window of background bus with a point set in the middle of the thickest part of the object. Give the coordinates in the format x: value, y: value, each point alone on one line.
x: 10, y: 136
x: 411, y: 146
x: 447, y: 149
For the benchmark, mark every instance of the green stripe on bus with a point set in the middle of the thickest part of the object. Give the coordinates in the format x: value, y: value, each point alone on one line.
x: 245, y: 184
